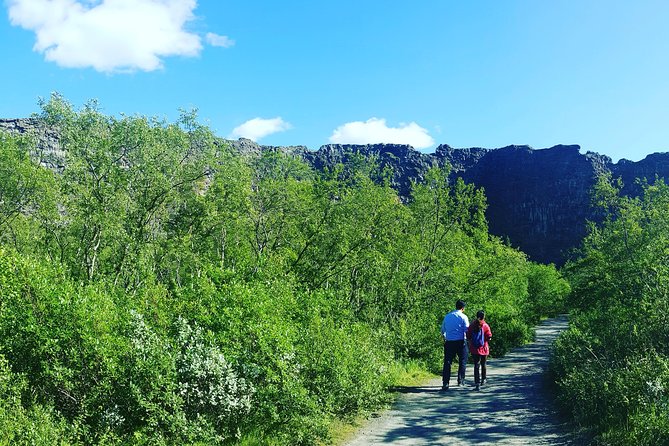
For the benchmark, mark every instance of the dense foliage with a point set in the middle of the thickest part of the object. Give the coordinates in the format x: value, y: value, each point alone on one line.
x: 161, y: 289
x: 612, y: 366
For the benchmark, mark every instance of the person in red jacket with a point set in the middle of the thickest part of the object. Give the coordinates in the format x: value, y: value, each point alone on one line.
x: 479, y: 335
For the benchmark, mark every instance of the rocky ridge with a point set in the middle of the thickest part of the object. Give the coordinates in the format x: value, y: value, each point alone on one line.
x: 539, y: 200
x: 48, y: 149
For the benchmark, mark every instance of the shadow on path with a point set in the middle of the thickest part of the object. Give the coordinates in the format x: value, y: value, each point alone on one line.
x: 415, y: 389
x: 513, y: 409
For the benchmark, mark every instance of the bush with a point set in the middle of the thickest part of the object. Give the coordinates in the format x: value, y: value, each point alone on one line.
x: 166, y: 290
x: 612, y: 366
x: 180, y: 390
x: 38, y: 425
x: 345, y: 368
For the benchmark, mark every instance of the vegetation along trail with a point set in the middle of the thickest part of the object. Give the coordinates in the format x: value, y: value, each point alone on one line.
x: 512, y: 409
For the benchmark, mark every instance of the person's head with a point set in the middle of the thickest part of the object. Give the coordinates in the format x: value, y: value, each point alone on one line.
x: 460, y: 304
x: 480, y: 315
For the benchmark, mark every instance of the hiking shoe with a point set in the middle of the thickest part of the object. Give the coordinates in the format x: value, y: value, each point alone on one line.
x: 477, y: 387
x: 444, y: 388
x: 484, y: 381
x: 461, y: 383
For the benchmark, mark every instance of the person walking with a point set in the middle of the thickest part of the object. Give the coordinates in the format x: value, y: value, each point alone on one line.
x: 479, y: 334
x: 453, y: 331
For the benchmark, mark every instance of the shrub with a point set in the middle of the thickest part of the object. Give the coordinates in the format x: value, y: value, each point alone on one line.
x: 38, y: 425
x: 612, y: 366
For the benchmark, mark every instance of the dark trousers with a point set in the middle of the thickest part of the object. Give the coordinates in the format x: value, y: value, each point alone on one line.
x: 451, y: 349
x: 479, y: 361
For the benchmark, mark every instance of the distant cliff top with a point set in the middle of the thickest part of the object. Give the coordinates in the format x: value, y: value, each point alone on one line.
x: 460, y: 159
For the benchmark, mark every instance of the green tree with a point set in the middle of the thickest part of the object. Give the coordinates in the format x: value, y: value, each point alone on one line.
x: 164, y: 289
x: 123, y: 180
x: 618, y: 346
x: 26, y: 191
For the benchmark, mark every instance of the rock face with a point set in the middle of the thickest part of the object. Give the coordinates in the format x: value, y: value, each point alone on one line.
x: 407, y: 164
x: 249, y: 147
x: 48, y: 150
x: 539, y: 200
x: 629, y: 171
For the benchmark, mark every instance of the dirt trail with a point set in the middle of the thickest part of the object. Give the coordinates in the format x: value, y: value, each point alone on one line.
x: 513, y: 409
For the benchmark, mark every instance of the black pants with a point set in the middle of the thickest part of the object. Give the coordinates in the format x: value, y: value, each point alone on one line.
x: 451, y: 349
x: 479, y: 360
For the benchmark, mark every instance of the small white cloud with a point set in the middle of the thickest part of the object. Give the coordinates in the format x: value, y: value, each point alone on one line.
x: 258, y: 128
x: 375, y: 131
x: 217, y: 40
x: 108, y: 35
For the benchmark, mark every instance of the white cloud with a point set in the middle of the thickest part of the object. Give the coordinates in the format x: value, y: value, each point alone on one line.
x: 258, y: 128
x: 217, y: 40
x: 108, y: 35
x: 374, y: 131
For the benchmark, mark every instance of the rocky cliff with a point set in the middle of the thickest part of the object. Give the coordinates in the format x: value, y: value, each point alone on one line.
x: 48, y: 150
x: 539, y: 200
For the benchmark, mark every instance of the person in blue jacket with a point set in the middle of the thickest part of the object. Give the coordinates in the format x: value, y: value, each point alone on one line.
x: 454, y: 332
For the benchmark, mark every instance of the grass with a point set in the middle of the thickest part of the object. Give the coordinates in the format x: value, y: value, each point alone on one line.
x: 411, y: 374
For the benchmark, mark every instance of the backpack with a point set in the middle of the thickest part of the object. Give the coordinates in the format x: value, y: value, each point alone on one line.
x: 478, y: 338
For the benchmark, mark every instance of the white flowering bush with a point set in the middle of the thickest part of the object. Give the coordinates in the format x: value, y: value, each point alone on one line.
x: 180, y: 388
x: 207, y: 382
x: 147, y: 394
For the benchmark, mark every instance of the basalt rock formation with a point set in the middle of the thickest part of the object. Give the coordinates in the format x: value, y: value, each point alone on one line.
x: 48, y: 150
x: 538, y: 200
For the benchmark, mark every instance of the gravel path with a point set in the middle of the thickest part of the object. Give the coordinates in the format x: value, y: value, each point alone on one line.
x: 513, y: 409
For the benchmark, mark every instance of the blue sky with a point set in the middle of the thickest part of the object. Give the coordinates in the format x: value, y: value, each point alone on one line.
x: 427, y: 72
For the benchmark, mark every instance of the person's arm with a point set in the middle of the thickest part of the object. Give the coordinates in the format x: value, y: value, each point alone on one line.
x: 488, y: 334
